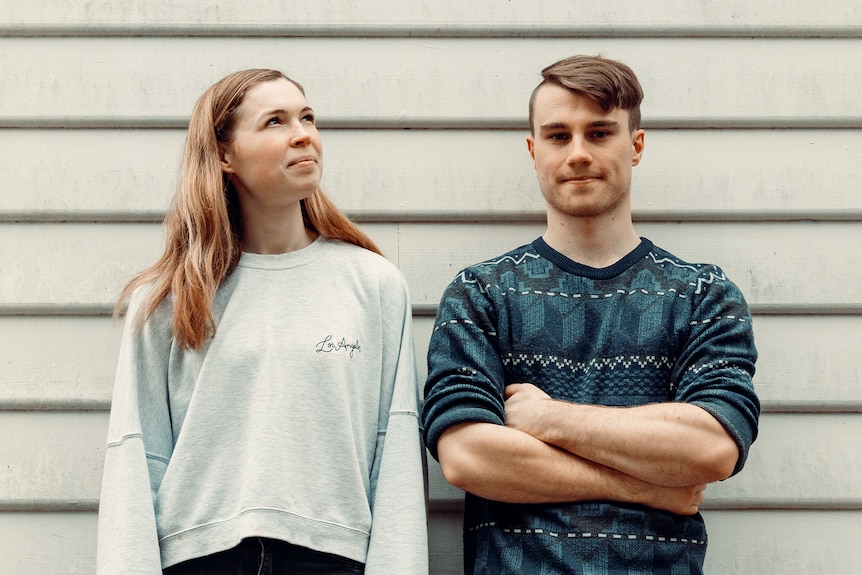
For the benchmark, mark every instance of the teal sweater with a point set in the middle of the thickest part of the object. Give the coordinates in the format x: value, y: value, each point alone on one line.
x: 650, y: 328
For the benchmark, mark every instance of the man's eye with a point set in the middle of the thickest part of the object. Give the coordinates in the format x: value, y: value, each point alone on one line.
x: 559, y: 137
x: 600, y: 135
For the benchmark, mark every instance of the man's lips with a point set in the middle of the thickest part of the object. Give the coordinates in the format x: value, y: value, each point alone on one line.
x: 580, y: 179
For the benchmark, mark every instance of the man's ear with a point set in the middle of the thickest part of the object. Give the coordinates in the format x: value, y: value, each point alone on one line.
x: 531, y: 148
x: 637, y: 146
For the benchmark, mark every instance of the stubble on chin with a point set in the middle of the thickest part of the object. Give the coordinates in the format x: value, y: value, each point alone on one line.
x: 585, y: 204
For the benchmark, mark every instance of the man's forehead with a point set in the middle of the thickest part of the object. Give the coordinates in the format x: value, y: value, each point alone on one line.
x: 565, y: 107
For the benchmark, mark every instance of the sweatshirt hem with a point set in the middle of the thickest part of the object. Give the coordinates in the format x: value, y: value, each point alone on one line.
x: 221, y: 535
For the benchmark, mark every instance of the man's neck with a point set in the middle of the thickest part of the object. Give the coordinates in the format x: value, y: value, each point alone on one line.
x: 591, y: 241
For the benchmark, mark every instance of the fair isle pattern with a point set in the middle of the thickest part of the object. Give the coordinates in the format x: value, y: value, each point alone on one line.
x: 609, y: 363
x: 718, y: 318
x: 651, y: 328
x: 627, y: 362
x: 510, y: 291
x: 588, y: 535
x: 463, y: 322
x: 516, y: 261
x: 701, y: 281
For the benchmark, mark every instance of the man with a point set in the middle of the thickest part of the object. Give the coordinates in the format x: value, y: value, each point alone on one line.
x: 584, y: 389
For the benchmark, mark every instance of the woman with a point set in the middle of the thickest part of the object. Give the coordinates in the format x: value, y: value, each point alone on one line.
x: 264, y: 414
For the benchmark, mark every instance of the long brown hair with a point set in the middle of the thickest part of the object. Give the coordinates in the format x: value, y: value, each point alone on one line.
x: 202, y: 226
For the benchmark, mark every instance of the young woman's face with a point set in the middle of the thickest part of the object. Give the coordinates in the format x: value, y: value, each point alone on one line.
x: 274, y: 158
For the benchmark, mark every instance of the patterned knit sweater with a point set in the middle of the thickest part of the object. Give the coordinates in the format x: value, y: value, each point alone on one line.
x: 650, y: 328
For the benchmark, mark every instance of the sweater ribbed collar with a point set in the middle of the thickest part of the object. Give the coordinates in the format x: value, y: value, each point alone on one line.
x: 573, y: 267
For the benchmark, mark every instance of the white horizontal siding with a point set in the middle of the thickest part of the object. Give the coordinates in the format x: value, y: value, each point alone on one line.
x: 58, y: 362
x: 740, y: 542
x: 436, y: 174
x: 437, y: 81
x: 36, y: 543
x: 81, y: 264
x: 435, y: 18
x: 67, y: 362
x: 61, y: 467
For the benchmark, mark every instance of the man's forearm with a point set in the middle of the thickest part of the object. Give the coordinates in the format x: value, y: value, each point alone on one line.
x: 670, y: 444
x: 504, y: 464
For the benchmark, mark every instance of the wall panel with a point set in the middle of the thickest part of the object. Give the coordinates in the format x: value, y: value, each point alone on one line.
x: 457, y: 174
x: 86, y: 264
x: 54, y: 461
x: 445, y: 17
x: 741, y: 542
x: 67, y: 362
x: 58, y: 362
x: 435, y: 82
x: 37, y: 543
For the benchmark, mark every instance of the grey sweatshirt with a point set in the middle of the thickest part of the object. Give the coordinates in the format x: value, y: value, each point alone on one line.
x: 297, y: 421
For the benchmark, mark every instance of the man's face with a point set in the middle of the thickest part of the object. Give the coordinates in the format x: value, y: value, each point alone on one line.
x: 583, y: 155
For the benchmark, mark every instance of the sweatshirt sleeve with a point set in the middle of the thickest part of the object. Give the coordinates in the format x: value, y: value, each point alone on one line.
x: 399, y: 534
x: 138, y: 448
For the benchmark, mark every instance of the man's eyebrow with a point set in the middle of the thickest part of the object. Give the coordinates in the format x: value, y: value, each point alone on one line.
x: 553, y: 126
x: 604, y: 124
x: 594, y: 124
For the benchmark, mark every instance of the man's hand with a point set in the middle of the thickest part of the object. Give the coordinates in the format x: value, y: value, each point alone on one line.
x: 524, y: 408
x: 679, y: 500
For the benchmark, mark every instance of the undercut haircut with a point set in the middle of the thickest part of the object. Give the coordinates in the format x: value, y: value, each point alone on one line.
x: 608, y: 83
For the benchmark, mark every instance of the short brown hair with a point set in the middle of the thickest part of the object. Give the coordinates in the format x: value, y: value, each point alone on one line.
x: 609, y: 83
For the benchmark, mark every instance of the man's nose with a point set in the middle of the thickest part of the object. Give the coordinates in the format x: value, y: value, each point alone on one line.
x: 578, y: 151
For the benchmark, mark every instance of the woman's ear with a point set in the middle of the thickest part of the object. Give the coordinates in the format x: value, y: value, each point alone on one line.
x: 225, y: 161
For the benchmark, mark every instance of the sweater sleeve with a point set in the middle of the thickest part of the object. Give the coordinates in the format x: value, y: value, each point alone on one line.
x: 399, y: 535
x: 466, y: 378
x: 716, y: 365
x: 138, y: 448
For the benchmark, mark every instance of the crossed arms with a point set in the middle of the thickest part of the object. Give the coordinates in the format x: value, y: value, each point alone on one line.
x: 660, y: 455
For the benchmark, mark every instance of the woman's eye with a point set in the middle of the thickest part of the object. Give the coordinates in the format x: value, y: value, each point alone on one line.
x: 308, y: 118
x: 272, y: 121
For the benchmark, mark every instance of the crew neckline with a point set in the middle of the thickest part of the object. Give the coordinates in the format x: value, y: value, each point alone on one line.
x: 296, y: 258
x: 569, y: 265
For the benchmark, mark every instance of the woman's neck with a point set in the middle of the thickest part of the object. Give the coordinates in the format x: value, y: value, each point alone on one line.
x: 275, y: 233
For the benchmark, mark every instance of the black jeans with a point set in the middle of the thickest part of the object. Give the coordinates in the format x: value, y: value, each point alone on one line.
x: 260, y: 556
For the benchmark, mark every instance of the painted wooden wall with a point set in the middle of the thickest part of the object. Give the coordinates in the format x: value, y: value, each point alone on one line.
x: 753, y: 113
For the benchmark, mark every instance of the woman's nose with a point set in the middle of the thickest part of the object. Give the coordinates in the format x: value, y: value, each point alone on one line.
x: 300, y: 136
